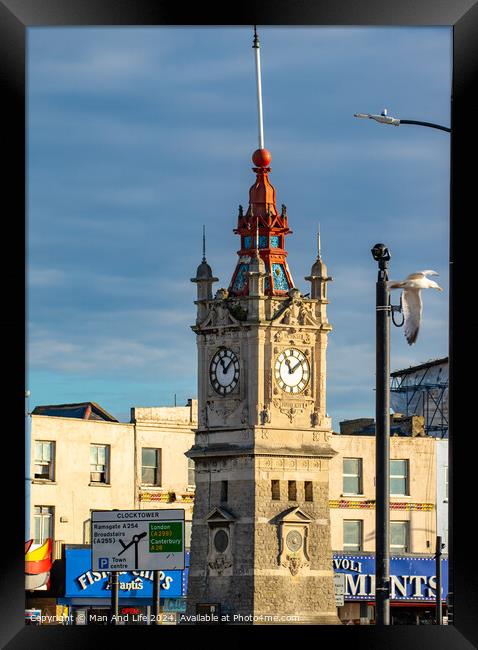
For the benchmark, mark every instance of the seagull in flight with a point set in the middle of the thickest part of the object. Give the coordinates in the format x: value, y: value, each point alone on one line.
x: 412, y: 300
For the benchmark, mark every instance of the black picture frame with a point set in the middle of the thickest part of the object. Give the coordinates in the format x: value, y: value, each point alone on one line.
x: 15, y: 17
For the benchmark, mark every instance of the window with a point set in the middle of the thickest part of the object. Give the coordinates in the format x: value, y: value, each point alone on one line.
x: 353, y: 535
x: 399, y: 536
x: 292, y: 489
x: 223, y: 491
x: 352, y: 476
x: 275, y: 490
x: 44, y: 456
x: 191, y: 475
x: 308, y: 491
x: 43, y: 523
x: 399, y: 477
x: 150, y: 466
x: 99, y: 463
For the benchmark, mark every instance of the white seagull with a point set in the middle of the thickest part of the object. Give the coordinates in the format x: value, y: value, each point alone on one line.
x: 412, y: 301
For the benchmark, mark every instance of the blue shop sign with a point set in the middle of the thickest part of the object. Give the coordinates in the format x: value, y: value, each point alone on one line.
x: 412, y: 579
x: 81, y: 581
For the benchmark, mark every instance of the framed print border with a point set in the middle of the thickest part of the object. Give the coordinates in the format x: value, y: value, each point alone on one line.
x: 16, y: 16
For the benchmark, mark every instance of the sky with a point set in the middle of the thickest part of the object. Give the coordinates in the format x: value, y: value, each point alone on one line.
x: 139, y: 136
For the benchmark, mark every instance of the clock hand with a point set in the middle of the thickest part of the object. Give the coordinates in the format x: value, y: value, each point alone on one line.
x: 291, y: 370
x: 226, y: 368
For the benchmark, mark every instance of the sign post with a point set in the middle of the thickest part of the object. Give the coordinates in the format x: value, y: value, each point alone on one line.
x: 114, y: 597
x: 439, y: 611
x: 156, y: 597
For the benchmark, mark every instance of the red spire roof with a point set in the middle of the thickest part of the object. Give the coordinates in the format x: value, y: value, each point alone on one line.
x: 272, y: 226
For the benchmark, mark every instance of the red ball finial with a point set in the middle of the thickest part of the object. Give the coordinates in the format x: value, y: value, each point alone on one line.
x: 261, y: 158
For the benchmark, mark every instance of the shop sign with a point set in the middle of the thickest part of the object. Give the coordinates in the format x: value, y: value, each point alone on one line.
x: 81, y: 581
x: 411, y: 578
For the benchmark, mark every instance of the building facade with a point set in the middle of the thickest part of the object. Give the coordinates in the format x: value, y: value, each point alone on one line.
x: 82, y: 459
x: 414, y: 499
x: 144, y: 466
x: 412, y: 493
x: 422, y: 391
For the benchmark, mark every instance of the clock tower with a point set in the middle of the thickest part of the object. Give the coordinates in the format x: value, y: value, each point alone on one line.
x: 260, y: 546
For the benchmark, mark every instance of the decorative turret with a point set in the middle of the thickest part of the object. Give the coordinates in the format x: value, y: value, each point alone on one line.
x: 204, y: 278
x: 318, y: 277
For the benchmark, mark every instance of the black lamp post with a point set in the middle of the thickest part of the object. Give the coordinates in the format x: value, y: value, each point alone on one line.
x: 381, y: 254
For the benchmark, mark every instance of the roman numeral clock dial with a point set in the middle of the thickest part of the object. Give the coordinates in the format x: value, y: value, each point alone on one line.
x: 292, y: 371
x: 224, y: 371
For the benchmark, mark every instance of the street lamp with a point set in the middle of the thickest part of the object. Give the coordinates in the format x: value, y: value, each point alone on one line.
x: 384, y: 118
x: 381, y: 255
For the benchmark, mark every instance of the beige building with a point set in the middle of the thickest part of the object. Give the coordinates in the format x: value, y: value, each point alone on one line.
x: 141, y: 465
x: 162, y: 436
x: 412, y: 492
x: 93, y: 462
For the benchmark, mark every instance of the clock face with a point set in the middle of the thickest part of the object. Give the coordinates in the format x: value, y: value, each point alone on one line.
x: 292, y: 370
x: 224, y: 371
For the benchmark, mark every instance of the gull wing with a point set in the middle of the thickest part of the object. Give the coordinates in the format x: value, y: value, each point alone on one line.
x: 395, y: 284
x: 428, y: 272
x: 420, y: 274
x: 412, y: 311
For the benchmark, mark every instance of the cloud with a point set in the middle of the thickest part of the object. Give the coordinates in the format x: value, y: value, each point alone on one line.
x: 105, y: 356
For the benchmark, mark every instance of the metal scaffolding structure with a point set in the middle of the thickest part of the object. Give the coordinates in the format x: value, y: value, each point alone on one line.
x: 423, y: 390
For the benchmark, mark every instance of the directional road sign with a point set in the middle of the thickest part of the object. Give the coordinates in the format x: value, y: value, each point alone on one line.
x: 130, y: 540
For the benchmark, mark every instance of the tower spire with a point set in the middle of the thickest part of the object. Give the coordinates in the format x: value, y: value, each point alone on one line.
x: 204, y: 279
x: 256, y: 47
x: 262, y: 216
x: 318, y: 275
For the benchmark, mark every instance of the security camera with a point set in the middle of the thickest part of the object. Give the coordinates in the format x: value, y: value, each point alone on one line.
x: 380, y: 253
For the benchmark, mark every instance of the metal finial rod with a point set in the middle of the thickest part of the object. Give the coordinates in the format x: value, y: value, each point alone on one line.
x: 256, y: 47
x: 204, y: 243
x: 318, y: 241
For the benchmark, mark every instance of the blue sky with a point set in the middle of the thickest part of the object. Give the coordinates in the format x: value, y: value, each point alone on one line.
x: 138, y: 136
